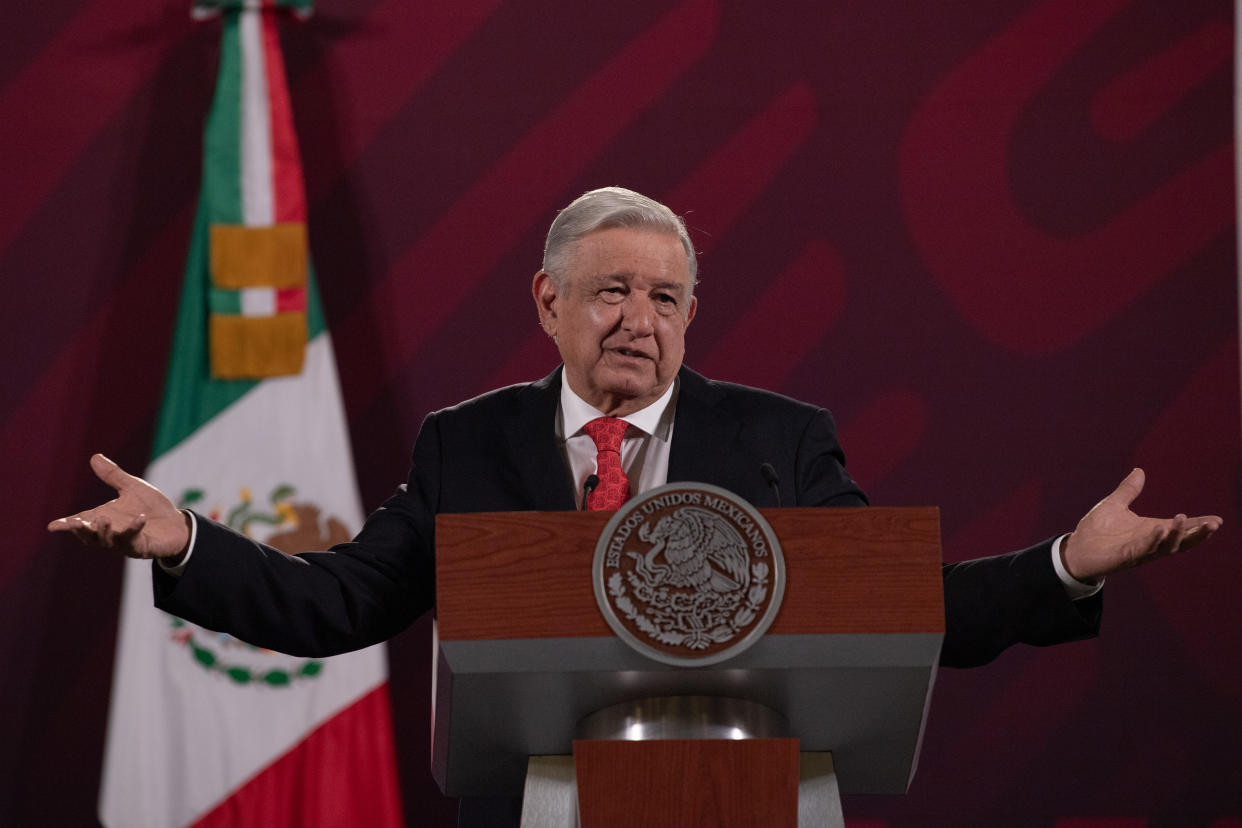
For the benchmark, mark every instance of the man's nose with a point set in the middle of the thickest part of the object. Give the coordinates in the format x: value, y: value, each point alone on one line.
x: 638, y: 314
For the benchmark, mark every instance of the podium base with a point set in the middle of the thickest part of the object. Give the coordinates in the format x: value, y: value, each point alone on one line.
x: 819, y: 797
x: 551, y: 799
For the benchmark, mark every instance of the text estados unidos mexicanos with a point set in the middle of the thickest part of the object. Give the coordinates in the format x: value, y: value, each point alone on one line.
x: 759, y: 546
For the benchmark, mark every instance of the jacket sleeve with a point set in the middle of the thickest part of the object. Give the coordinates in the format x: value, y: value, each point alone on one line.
x: 1017, y: 598
x: 318, y: 603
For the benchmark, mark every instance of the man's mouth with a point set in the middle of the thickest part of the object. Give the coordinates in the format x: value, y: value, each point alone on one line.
x: 627, y: 352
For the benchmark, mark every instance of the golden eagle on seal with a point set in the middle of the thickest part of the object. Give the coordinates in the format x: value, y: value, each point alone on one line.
x: 701, y: 550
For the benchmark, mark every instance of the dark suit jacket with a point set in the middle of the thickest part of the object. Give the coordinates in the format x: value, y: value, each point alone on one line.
x: 498, y: 452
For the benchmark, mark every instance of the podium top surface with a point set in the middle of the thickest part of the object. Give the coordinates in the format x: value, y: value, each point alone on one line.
x: 510, y: 575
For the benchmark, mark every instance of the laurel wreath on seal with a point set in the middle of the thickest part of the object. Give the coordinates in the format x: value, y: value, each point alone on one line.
x: 708, y: 616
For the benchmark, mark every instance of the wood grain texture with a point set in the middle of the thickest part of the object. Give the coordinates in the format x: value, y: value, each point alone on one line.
x: 688, y: 783
x: 506, y: 575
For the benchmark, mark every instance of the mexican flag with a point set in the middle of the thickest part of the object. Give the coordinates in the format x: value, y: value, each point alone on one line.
x: 205, y: 729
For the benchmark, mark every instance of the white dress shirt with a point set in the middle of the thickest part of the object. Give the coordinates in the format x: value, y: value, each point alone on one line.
x: 644, y: 446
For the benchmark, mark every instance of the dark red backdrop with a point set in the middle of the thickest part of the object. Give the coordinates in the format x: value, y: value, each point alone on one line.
x: 997, y: 239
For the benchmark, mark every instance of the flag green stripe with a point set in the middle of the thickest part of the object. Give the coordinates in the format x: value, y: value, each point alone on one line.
x: 222, y: 138
x: 224, y: 301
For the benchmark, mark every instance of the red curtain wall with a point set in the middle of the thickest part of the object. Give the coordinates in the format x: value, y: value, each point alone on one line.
x: 996, y: 239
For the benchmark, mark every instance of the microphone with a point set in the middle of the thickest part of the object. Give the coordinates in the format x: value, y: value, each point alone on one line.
x: 769, y: 474
x: 589, y: 486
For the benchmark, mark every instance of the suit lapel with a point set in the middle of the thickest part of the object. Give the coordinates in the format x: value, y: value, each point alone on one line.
x: 530, y: 438
x: 705, y: 445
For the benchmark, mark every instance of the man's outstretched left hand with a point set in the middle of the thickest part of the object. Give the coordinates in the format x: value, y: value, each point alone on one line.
x: 1111, y: 537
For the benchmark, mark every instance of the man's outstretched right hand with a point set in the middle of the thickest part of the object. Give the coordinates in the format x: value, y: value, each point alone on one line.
x: 139, y: 522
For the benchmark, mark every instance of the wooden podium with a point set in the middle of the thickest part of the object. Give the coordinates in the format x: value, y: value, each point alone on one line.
x: 524, y: 656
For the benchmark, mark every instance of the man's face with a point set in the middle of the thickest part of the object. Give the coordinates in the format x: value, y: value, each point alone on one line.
x: 620, y: 321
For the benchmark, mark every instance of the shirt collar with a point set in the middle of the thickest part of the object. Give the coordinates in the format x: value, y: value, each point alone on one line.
x: 577, y: 412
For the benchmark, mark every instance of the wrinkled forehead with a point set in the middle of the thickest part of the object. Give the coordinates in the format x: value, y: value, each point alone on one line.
x: 629, y: 253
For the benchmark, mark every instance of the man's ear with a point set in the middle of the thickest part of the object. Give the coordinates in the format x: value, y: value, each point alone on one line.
x: 543, y: 288
x: 694, y: 306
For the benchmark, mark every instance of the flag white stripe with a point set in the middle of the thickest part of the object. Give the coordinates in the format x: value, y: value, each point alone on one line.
x: 258, y: 203
x: 258, y: 301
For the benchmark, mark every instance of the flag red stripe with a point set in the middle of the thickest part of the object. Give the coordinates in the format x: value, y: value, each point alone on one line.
x: 343, y: 773
x: 288, y: 195
x: 290, y: 299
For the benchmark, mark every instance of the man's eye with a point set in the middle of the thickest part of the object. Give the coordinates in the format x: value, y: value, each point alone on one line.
x: 613, y: 294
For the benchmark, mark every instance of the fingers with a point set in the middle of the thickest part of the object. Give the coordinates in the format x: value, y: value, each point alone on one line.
x: 123, y: 538
x: 87, y: 531
x: 1170, y: 538
x: 110, y: 473
x: 97, y: 529
x: 1130, y: 488
x: 1182, y: 533
x: 1210, y: 523
x: 74, y: 523
x: 60, y: 525
x: 1196, y: 531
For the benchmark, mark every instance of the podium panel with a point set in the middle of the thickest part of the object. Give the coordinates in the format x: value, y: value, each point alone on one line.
x: 688, y: 783
x: 524, y: 654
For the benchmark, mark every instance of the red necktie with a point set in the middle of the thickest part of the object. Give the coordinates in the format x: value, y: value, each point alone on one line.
x: 614, y: 486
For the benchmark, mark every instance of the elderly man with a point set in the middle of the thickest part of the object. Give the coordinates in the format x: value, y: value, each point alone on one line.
x: 616, y: 293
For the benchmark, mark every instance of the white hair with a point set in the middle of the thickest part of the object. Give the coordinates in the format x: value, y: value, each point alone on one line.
x: 604, y: 209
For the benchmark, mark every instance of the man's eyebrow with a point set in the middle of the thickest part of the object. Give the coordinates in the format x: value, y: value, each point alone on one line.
x: 662, y: 284
x: 625, y: 276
